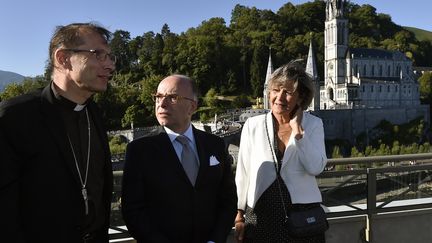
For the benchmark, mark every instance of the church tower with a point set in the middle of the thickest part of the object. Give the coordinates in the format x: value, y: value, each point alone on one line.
x: 335, y: 46
x: 268, y: 75
x: 311, y: 69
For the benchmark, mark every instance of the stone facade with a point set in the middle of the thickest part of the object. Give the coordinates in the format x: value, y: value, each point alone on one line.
x: 361, y: 86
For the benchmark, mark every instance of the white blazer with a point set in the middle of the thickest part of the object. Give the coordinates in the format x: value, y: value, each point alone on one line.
x: 302, y: 161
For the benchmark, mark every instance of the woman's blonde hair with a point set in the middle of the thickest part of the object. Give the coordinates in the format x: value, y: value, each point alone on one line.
x: 295, y: 73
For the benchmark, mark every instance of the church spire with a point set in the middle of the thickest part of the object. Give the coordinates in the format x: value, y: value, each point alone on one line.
x: 269, y: 68
x: 268, y: 76
x: 335, y: 9
x: 312, y: 71
x: 311, y: 67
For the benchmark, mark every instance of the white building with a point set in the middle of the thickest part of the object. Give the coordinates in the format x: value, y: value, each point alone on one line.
x: 361, y: 86
x: 361, y: 77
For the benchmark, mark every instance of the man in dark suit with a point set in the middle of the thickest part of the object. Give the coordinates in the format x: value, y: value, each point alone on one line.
x: 177, y: 183
x: 55, y: 167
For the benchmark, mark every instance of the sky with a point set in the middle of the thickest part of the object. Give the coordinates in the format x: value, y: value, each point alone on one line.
x: 26, y: 26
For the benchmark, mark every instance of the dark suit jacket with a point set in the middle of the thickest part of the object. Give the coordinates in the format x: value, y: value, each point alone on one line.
x: 40, y: 191
x: 160, y: 204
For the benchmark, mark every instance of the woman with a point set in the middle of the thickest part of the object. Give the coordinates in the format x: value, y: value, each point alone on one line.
x: 280, y: 154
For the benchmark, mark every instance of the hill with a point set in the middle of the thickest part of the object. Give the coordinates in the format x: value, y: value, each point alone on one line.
x: 7, y: 77
x: 420, y: 34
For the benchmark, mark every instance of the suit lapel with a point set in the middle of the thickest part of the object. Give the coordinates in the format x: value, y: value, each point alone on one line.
x: 169, y: 155
x: 57, y: 130
x: 202, y: 155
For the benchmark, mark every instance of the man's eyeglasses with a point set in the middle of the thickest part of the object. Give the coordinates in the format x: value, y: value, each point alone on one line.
x: 172, y: 98
x: 100, y: 55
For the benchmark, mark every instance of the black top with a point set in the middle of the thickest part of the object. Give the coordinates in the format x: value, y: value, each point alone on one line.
x: 76, y: 125
x: 265, y: 222
x: 39, y: 182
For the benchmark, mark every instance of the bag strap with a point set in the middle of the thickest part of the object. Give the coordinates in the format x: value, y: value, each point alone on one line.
x: 277, y: 168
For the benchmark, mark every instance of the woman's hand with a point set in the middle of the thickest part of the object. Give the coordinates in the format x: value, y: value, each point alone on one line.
x: 239, y: 231
x: 295, y: 123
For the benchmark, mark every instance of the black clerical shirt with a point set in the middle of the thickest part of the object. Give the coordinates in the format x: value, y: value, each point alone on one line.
x: 77, y: 129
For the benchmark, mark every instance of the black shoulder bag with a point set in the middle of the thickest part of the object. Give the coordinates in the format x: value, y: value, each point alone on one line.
x: 305, y: 221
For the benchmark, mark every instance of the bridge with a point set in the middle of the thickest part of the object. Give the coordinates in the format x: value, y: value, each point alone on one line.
x: 229, y: 131
x: 369, y: 199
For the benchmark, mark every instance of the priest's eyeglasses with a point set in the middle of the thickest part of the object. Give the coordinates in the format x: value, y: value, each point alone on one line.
x: 100, y: 55
x: 172, y: 98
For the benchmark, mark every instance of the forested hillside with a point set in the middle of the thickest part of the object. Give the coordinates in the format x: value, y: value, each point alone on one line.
x: 421, y: 35
x: 231, y: 58
x: 9, y: 77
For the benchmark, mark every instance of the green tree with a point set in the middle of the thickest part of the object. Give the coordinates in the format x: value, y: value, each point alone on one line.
x: 425, y: 82
x: 204, y: 54
x: 150, y: 54
x: 27, y: 85
x: 136, y: 72
x: 426, y: 147
x: 396, y: 148
x: 117, y: 145
x: 257, y: 71
x: 243, y: 21
x: 134, y: 115
x: 241, y: 101
x: 171, y: 41
x: 120, y: 47
x: 403, y: 38
x: 310, y: 17
x: 149, y: 87
x: 12, y: 90
x: 355, y: 152
x: 210, y: 99
x: 336, y: 153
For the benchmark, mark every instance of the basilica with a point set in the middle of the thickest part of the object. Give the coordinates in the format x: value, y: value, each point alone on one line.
x: 361, y: 86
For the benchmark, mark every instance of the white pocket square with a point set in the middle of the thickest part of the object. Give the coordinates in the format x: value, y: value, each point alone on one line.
x: 213, y: 161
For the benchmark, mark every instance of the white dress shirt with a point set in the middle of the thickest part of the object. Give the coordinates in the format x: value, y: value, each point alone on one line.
x: 178, y: 147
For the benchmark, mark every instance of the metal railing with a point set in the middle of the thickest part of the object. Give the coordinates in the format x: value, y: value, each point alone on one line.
x: 363, y: 186
x: 375, y: 175
x: 373, y: 186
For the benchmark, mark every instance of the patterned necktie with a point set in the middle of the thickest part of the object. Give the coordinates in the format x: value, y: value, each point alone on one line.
x: 188, y: 159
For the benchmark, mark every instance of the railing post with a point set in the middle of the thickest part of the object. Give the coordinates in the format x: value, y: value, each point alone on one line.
x: 371, y: 202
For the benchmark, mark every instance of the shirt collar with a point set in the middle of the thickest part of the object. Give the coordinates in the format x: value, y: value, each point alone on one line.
x: 64, y: 102
x: 188, y: 133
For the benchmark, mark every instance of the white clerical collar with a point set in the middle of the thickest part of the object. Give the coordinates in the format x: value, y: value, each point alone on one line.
x: 66, y: 102
x: 79, y: 107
